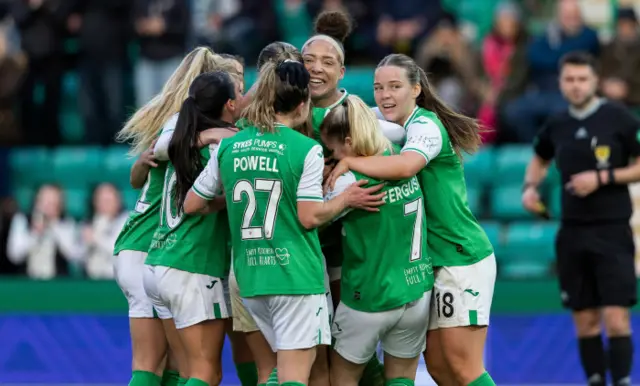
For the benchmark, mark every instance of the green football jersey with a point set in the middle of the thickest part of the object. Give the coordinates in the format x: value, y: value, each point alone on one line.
x: 191, y: 243
x: 455, y: 237
x: 386, y: 263
x: 265, y: 175
x: 317, y: 116
x: 137, y: 233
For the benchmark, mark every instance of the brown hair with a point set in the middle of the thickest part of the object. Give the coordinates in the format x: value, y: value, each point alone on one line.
x: 464, y: 132
x: 276, y: 93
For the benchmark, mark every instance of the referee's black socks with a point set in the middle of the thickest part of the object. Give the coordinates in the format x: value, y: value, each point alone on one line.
x: 593, y: 360
x: 620, y: 359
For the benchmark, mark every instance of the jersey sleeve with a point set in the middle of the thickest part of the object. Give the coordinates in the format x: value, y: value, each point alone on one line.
x: 161, y: 150
x: 631, y: 134
x: 542, y: 143
x: 378, y: 114
x: 424, y: 137
x: 310, y: 185
x: 342, y: 183
x: 394, y: 132
x: 207, y: 185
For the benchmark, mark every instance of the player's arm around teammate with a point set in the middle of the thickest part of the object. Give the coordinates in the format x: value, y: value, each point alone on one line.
x: 386, y: 286
x: 462, y: 255
x: 147, y: 335
x: 184, y: 263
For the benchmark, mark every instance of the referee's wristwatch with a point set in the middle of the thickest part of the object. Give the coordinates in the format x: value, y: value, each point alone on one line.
x: 528, y: 185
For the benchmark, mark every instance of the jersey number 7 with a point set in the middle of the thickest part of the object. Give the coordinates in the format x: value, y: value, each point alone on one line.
x: 244, y: 187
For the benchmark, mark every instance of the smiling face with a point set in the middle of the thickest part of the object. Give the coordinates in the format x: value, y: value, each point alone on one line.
x: 394, y: 94
x: 324, y: 64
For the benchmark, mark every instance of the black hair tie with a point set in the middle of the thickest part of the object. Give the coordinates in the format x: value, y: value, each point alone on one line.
x: 293, y: 73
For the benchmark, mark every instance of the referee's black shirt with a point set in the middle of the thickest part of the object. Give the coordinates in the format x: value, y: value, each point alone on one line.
x: 602, y: 137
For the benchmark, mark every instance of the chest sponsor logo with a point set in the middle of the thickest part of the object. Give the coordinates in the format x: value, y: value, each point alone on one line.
x: 602, y: 154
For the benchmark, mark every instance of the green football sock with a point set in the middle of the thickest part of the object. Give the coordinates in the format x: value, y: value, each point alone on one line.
x: 373, y: 374
x: 292, y: 384
x: 483, y: 380
x: 399, y: 382
x: 273, y: 378
x: 144, y: 378
x: 196, y: 382
x: 247, y: 373
x: 170, y: 378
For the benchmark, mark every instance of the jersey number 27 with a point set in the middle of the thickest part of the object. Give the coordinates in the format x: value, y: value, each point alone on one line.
x: 274, y: 189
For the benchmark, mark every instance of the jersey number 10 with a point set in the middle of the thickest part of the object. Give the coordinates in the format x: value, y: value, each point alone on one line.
x: 244, y: 187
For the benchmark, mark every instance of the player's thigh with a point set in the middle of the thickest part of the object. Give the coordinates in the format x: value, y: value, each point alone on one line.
x: 407, y: 339
x: 300, y: 322
x: 242, y: 319
x: 259, y: 308
x: 357, y: 333
x: 614, y: 266
x: 129, y: 272
x: 578, y: 286
x: 151, y: 279
x: 192, y: 298
x: 462, y: 296
x: 203, y: 343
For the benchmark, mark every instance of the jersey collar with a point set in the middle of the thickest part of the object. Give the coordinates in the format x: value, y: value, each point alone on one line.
x: 413, y: 114
x: 587, y: 111
x: 344, y: 96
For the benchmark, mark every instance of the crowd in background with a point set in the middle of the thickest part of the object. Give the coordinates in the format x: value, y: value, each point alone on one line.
x: 508, y: 81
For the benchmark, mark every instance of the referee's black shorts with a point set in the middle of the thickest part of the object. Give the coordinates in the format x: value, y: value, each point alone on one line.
x: 596, y: 266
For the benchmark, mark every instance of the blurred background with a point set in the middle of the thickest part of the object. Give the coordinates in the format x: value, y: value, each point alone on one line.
x: 71, y: 71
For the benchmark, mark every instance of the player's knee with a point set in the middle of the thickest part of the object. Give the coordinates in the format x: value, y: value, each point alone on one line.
x: 437, y: 367
x: 616, y: 321
x: 587, y: 322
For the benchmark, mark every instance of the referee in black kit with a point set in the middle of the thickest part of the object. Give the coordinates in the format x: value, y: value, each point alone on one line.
x: 596, y: 146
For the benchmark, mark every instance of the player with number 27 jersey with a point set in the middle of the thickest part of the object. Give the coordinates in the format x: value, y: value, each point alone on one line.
x: 264, y: 175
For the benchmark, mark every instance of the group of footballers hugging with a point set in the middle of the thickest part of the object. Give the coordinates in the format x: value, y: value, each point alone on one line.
x: 304, y: 225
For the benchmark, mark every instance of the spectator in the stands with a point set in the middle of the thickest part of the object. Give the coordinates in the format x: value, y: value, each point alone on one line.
x: 104, y: 31
x: 402, y: 25
x: 163, y: 27
x: 221, y: 24
x: 43, y: 27
x: 542, y: 97
x: 507, y: 35
x: 8, y: 208
x: 46, y: 240
x: 100, y: 234
x: 452, y: 66
x: 620, y: 62
x: 13, y: 65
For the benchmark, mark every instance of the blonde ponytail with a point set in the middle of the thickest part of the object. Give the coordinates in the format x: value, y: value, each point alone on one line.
x: 145, y: 124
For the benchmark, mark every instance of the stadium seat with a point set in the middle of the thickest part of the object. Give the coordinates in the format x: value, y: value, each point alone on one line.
x: 493, y: 229
x: 30, y: 167
x: 511, y: 163
x: 474, y: 198
x: 77, y: 203
x: 478, y: 167
x: 554, y: 202
x: 24, y: 197
x: 129, y: 198
x: 77, y: 167
x: 506, y: 203
x: 529, y: 249
x: 117, y: 166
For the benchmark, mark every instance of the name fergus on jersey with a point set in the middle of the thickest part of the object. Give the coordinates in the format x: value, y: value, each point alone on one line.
x: 396, y: 193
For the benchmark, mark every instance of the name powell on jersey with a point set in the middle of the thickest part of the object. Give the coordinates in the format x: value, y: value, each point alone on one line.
x: 282, y: 254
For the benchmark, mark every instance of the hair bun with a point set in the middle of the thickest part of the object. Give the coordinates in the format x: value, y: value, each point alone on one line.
x: 294, y: 73
x: 336, y: 24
